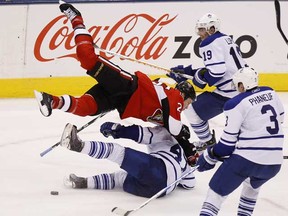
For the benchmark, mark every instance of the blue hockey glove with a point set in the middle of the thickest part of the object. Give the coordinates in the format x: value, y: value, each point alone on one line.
x: 110, y: 129
x: 177, y: 77
x: 206, y: 161
x: 180, y: 69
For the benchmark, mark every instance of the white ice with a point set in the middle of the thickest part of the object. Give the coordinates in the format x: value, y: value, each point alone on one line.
x: 27, y: 179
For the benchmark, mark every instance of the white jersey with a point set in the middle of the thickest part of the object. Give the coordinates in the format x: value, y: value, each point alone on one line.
x: 223, y: 58
x: 162, y: 145
x: 254, y: 118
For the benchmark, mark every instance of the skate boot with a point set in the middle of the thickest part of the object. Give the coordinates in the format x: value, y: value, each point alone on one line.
x: 45, y: 102
x: 70, y: 138
x: 70, y: 11
x: 78, y: 182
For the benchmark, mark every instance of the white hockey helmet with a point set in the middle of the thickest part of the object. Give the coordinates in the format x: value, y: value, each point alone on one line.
x: 247, y: 76
x: 207, y: 21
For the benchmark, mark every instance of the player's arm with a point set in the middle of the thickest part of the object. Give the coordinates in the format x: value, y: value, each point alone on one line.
x: 142, y: 135
x: 215, y: 66
x: 226, y: 145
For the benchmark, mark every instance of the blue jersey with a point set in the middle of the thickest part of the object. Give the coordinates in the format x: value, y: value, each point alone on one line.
x: 221, y: 55
x: 253, y: 127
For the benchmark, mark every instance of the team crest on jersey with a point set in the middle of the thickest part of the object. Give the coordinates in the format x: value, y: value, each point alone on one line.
x: 156, y: 118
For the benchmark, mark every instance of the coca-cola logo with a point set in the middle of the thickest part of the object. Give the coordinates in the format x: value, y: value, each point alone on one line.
x: 137, y: 34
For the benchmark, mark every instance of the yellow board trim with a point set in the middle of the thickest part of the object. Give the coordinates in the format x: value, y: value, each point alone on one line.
x: 23, y: 88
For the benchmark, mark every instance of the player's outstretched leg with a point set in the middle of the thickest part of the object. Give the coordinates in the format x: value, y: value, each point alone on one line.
x: 44, y: 101
x: 70, y: 138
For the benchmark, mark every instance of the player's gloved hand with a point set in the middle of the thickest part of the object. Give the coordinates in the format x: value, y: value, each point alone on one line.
x: 207, y: 160
x: 176, y: 76
x: 178, y: 72
x: 178, y: 69
x: 184, y: 133
x: 110, y: 129
x: 192, y: 159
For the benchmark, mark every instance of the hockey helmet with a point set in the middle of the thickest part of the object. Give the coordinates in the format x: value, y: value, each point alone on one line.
x: 247, y: 76
x: 187, y: 89
x: 207, y: 21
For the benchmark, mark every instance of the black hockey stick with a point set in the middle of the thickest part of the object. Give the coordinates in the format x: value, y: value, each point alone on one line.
x: 278, y: 20
x: 124, y: 212
x: 78, y: 130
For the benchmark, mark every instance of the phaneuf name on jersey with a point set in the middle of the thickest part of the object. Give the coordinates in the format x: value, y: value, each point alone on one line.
x: 261, y: 98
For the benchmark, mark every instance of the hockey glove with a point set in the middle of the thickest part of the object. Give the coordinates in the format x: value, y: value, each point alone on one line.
x: 110, y: 129
x: 176, y: 76
x: 199, y: 78
x: 184, y: 133
x: 180, y: 69
x: 207, y: 160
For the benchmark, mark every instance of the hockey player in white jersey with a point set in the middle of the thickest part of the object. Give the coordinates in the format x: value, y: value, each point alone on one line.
x: 250, y: 147
x: 142, y: 174
x: 222, y: 58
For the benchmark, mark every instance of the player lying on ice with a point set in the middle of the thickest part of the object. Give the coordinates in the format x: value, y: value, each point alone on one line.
x: 133, y: 95
x: 142, y: 174
x: 251, y: 146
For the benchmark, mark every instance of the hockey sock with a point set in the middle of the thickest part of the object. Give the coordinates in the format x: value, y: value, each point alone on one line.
x: 83, y: 106
x: 212, y: 204
x: 56, y: 102
x: 102, y: 150
x: 102, y: 181
x: 78, y: 22
x: 248, y: 199
x: 202, y: 131
x: 85, y: 49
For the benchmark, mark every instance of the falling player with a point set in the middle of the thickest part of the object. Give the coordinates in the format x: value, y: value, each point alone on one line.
x: 222, y: 58
x: 132, y: 95
x: 250, y: 147
x: 142, y: 174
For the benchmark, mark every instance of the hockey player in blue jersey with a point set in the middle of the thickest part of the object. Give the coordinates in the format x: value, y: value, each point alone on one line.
x: 142, y: 174
x: 222, y: 58
x: 250, y: 147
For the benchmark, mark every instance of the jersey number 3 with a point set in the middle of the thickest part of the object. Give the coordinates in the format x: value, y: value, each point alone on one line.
x: 273, y: 119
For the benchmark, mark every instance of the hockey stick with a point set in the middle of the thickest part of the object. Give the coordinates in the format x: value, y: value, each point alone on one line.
x: 278, y: 20
x: 167, y: 71
x: 78, y: 130
x: 123, y: 212
x: 285, y: 157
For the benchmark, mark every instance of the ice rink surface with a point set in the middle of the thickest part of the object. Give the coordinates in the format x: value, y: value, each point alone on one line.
x: 27, y: 179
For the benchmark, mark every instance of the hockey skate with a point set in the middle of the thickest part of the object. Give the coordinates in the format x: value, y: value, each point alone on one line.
x: 201, y: 146
x: 45, y: 102
x: 75, y: 182
x: 70, y: 138
x: 70, y: 11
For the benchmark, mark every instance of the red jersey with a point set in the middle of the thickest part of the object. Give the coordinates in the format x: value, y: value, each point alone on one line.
x: 157, y: 103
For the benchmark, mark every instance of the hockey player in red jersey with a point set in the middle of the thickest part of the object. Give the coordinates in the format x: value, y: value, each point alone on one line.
x: 133, y: 95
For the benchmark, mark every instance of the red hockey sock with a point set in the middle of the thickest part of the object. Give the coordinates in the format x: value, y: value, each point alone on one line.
x: 77, y: 22
x: 83, y: 106
x: 86, y: 51
x: 55, y: 103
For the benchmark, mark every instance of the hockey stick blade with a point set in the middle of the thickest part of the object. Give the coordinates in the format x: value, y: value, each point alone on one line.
x: 285, y: 157
x: 278, y: 20
x: 120, y: 211
x: 78, y: 130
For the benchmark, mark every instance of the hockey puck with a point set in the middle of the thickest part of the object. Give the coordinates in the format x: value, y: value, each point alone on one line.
x: 54, y: 193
